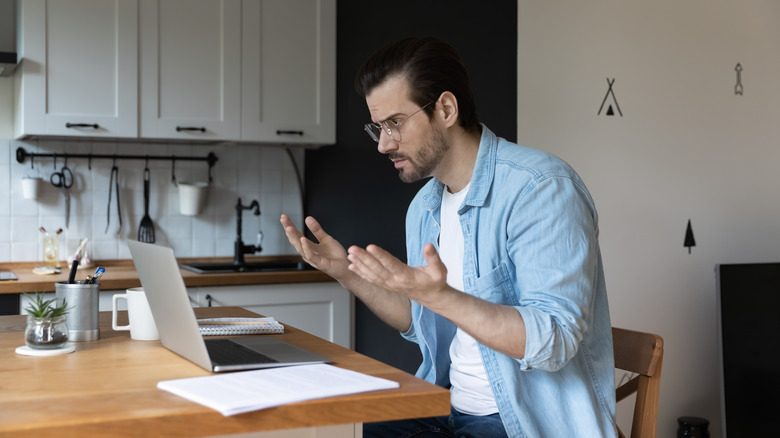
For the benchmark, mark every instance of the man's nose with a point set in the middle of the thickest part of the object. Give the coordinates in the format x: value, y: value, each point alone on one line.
x: 386, y: 143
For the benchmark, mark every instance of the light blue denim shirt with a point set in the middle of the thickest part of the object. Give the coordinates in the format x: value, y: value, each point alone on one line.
x: 531, y: 241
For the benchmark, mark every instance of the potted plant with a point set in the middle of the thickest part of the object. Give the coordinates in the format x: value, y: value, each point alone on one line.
x: 46, y: 326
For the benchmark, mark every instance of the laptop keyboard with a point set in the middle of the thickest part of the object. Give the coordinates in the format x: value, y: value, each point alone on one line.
x: 227, y: 352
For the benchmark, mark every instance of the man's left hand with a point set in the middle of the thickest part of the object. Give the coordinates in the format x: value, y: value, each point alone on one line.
x: 423, y: 284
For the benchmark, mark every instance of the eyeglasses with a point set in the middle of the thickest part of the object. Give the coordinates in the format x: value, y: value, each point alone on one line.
x: 390, y: 127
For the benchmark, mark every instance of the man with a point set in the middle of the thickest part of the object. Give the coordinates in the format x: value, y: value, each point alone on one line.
x: 504, y: 288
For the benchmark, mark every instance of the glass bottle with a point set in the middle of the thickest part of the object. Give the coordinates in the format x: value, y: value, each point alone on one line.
x: 51, y: 249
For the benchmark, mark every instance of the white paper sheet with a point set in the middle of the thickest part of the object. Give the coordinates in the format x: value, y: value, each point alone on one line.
x: 236, y: 393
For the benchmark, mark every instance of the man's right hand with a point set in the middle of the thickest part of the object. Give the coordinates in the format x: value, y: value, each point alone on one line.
x: 329, y: 256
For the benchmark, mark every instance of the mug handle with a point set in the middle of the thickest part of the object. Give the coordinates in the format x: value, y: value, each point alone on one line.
x: 113, y: 313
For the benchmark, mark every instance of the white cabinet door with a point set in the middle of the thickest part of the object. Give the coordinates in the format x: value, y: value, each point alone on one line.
x: 289, y: 71
x: 190, y: 64
x: 78, y: 75
x: 322, y: 309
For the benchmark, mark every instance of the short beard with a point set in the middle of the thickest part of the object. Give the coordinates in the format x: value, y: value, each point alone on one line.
x: 426, y: 159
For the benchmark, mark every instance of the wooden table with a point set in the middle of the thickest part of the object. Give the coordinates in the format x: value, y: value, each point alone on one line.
x: 108, y: 388
x: 121, y: 274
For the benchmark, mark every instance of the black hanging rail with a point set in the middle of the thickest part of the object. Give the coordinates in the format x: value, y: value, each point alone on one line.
x: 22, y: 155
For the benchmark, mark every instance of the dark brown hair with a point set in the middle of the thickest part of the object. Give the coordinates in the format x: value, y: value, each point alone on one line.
x: 431, y: 67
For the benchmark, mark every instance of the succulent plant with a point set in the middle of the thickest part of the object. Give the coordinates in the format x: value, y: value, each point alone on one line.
x: 40, y: 307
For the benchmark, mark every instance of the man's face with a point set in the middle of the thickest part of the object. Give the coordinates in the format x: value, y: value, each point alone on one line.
x: 422, y: 144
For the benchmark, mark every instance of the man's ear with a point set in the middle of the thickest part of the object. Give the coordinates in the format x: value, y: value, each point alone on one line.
x: 448, y: 108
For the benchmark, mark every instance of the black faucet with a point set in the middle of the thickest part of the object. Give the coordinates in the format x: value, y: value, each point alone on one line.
x: 239, y: 248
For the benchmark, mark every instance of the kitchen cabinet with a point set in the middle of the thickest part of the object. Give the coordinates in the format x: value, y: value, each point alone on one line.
x: 323, y: 309
x: 256, y: 71
x: 190, y: 69
x: 78, y: 74
x: 289, y: 71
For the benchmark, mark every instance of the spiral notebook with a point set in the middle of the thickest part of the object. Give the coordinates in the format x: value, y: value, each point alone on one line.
x: 239, y: 326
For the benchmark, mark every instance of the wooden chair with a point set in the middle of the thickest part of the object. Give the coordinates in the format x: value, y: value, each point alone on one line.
x: 641, y: 354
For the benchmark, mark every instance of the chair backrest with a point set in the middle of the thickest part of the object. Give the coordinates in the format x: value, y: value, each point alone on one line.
x: 641, y: 354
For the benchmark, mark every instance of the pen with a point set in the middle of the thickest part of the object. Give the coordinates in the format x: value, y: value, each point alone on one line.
x: 73, y: 267
x: 98, y: 273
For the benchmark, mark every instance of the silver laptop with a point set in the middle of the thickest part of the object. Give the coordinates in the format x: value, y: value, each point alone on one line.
x: 178, y: 327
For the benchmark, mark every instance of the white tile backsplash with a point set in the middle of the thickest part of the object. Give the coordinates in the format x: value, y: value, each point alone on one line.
x: 264, y: 173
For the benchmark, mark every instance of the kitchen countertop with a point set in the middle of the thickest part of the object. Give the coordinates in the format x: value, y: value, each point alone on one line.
x: 121, y: 274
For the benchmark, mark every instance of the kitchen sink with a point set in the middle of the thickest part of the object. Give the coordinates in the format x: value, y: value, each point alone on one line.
x: 229, y: 267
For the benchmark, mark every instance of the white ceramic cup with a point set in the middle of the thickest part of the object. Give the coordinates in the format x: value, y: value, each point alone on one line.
x: 142, y: 326
x: 31, y: 186
x: 192, y: 197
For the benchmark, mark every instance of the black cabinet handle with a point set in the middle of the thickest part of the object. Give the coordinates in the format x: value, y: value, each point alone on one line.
x: 81, y: 125
x: 280, y: 132
x: 190, y: 128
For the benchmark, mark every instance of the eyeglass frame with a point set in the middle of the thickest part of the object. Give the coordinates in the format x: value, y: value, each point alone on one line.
x: 384, y: 126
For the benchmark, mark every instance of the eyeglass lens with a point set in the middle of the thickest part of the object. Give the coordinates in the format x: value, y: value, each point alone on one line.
x: 391, y: 129
x: 375, y: 131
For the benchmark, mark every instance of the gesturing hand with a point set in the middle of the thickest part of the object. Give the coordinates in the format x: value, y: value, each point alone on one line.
x: 328, y: 255
x: 424, y: 284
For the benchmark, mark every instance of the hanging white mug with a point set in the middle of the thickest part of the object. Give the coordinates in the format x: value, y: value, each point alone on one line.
x: 31, y: 186
x: 192, y: 197
x: 142, y: 326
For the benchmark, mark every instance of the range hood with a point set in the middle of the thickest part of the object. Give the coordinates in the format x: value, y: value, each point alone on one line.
x: 7, y: 63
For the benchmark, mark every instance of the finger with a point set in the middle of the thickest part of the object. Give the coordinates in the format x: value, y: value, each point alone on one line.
x: 289, y: 227
x: 378, y: 252
x: 431, y: 255
x: 316, y: 229
x: 382, y: 268
x: 436, y: 266
x: 388, y: 261
x: 308, y: 250
x: 292, y: 233
x: 366, y: 274
x: 365, y: 265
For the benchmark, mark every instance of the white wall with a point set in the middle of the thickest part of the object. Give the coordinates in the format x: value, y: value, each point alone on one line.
x: 264, y: 173
x: 686, y: 147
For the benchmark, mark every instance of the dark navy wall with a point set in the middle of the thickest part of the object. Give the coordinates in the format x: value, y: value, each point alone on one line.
x: 353, y: 190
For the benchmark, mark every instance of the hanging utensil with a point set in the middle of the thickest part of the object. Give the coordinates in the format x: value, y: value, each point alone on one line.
x: 63, y: 180
x: 114, y: 180
x: 146, y: 229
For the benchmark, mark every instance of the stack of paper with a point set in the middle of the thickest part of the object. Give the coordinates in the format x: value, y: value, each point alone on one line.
x: 236, y: 393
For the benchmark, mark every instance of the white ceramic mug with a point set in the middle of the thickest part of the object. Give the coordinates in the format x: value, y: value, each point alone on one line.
x: 31, y: 186
x: 142, y: 326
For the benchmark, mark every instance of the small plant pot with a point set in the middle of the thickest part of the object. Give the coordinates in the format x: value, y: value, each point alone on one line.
x: 46, y: 333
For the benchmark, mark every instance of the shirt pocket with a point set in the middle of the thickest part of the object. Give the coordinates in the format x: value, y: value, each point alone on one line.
x: 496, y: 286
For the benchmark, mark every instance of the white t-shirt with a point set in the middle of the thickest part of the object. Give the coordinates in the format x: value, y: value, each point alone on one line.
x: 470, y: 392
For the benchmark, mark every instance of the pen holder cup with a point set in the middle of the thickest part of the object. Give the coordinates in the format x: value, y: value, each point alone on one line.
x: 82, y: 317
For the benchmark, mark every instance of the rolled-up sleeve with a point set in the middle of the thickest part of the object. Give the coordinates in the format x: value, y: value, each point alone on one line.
x: 552, y: 241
